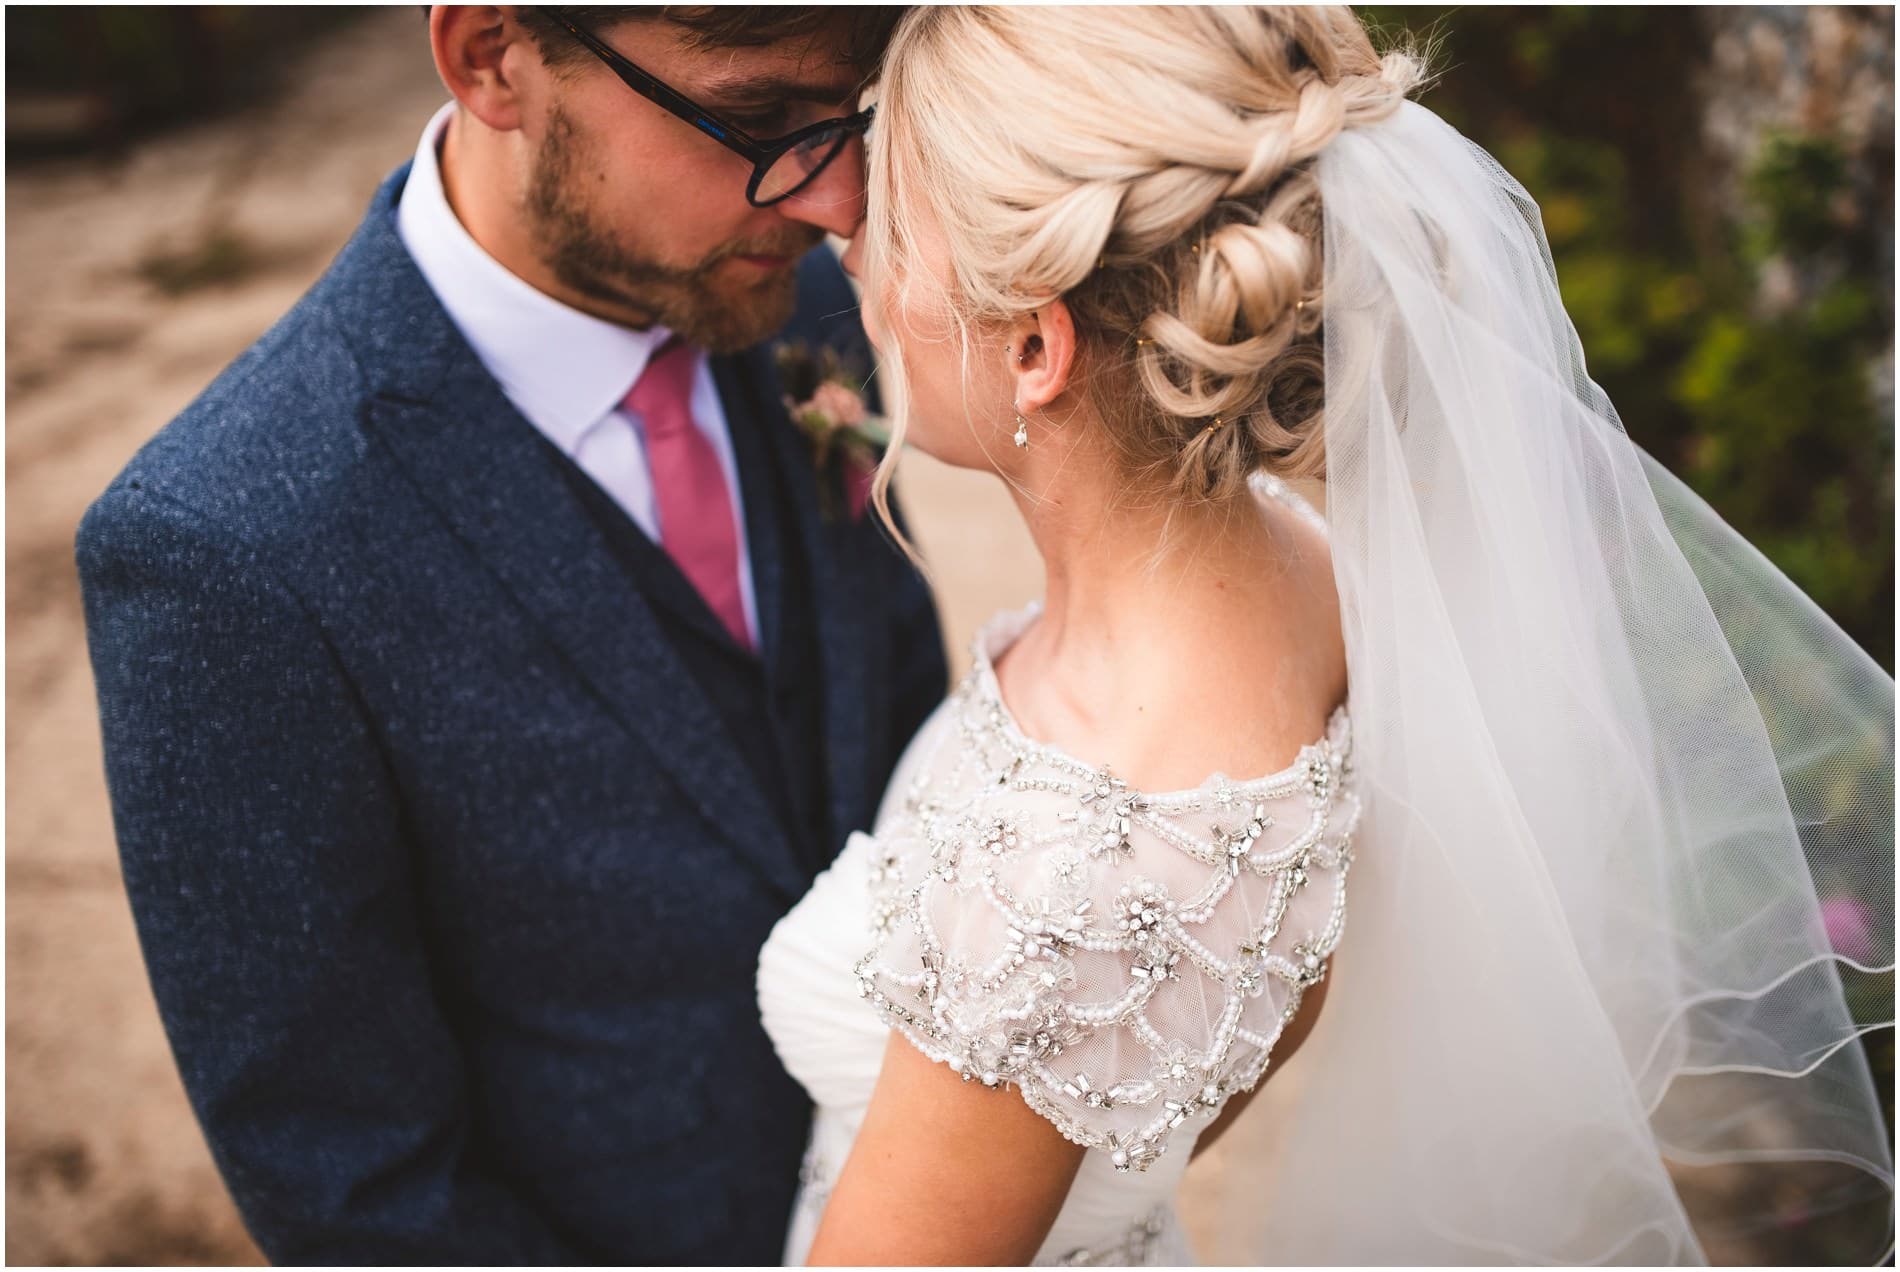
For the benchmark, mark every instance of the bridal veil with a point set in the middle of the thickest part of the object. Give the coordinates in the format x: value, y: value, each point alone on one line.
x: 1624, y: 902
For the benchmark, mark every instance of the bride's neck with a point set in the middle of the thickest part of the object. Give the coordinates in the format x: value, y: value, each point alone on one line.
x: 1142, y: 593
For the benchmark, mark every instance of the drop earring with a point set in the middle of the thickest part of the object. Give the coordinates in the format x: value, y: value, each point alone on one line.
x: 1022, y: 425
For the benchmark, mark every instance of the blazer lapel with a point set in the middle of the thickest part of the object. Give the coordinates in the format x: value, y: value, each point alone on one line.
x: 839, y: 602
x: 472, y: 456
x: 753, y: 459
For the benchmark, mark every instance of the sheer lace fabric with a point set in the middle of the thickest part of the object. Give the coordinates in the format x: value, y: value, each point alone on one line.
x: 1126, y: 961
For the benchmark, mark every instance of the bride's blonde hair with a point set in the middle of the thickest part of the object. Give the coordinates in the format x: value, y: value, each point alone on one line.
x: 1152, y: 168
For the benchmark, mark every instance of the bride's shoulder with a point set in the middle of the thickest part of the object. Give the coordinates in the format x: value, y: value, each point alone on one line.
x: 1239, y: 697
x: 975, y: 778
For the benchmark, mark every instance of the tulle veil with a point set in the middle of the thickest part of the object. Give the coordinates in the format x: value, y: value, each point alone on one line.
x: 1623, y: 903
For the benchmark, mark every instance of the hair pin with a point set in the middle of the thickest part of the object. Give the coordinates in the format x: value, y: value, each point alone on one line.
x: 1218, y: 421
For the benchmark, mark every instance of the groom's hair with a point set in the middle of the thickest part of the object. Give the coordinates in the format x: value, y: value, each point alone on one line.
x: 867, y: 28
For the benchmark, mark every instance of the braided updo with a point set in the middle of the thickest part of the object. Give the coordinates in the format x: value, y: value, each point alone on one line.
x: 1152, y: 168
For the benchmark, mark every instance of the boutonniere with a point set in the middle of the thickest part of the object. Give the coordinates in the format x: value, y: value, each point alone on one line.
x: 825, y: 398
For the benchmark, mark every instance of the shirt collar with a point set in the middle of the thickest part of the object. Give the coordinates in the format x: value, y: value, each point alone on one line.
x: 565, y: 370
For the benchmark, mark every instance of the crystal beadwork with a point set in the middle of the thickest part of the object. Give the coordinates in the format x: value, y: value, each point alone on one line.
x: 1121, y: 957
x: 1134, y: 1248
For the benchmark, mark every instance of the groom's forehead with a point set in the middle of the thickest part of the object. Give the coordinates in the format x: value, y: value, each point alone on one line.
x: 803, y: 67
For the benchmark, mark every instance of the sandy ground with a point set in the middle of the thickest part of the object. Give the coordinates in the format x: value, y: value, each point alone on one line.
x: 105, y: 1163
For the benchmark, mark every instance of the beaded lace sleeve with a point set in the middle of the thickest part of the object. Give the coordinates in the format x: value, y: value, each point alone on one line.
x: 1125, y: 961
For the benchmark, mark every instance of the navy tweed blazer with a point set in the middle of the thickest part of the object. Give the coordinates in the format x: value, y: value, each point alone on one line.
x: 449, y: 880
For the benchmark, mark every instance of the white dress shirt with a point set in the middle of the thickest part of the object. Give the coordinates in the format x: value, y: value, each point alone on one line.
x: 566, y: 371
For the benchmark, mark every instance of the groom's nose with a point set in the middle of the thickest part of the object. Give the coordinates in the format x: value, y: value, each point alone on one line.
x: 834, y: 201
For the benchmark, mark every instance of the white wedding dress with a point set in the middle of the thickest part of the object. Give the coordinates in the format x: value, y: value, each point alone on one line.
x: 1123, y: 961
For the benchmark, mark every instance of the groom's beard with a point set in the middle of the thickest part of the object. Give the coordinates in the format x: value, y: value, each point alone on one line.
x: 708, y: 313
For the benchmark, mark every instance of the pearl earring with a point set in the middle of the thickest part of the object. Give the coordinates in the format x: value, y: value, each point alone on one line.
x: 1022, y: 431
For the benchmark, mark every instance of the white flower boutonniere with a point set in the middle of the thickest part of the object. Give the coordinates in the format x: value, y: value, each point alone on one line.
x: 826, y: 400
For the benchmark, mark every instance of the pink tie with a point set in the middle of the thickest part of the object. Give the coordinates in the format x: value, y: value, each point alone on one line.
x: 696, y: 518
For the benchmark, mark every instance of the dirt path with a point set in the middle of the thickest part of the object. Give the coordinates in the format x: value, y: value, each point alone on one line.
x: 105, y: 1163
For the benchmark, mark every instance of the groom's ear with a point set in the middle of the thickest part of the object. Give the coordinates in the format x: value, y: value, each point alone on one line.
x: 478, y: 48
x: 1042, y: 355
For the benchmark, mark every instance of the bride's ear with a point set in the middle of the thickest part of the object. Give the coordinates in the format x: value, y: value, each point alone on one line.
x: 470, y: 43
x: 1042, y: 354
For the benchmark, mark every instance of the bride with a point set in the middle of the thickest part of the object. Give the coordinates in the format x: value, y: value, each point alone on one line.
x: 1573, y: 756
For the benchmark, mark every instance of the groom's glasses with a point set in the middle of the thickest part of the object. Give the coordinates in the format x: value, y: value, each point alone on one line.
x: 781, y: 167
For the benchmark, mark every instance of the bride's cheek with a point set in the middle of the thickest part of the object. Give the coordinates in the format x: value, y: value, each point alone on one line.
x: 873, y: 326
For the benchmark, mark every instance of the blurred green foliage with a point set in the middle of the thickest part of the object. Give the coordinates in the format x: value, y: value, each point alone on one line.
x: 1737, y: 324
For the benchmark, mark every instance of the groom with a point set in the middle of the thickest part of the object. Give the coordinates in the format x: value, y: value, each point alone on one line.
x: 485, y: 665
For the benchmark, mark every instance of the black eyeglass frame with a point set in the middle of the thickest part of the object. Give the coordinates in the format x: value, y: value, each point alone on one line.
x: 762, y: 153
